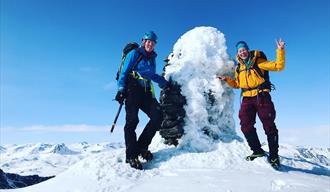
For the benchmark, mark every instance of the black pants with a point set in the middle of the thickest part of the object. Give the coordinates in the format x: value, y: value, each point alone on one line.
x: 138, y: 98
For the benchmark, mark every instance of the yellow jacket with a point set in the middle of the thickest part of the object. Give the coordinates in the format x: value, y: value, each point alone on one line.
x: 248, y: 79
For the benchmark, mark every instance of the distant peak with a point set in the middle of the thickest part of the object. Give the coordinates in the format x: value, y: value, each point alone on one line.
x: 62, y: 149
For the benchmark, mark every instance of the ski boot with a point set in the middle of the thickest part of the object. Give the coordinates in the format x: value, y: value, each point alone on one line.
x: 146, y: 155
x: 273, y: 158
x: 255, y: 155
x: 254, y: 143
x: 171, y: 141
x: 134, y: 163
x: 275, y: 162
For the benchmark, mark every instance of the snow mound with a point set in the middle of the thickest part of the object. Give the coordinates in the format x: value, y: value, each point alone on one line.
x: 198, y: 57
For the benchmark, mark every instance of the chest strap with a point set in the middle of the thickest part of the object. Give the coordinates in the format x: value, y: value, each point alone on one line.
x: 146, y: 82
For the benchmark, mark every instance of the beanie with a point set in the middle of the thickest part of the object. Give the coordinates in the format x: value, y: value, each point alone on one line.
x: 241, y: 44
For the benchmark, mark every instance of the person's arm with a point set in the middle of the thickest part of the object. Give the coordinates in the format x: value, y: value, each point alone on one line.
x: 153, y: 76
x: 231, y: 82
x: 279, y: 64
x: 159, y: 79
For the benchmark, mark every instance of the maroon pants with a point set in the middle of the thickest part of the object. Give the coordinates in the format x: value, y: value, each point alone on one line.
x: 264, y: 107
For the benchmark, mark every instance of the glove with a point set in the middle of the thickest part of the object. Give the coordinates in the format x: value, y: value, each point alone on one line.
x: 164, y: 85
x: 166, y: 88
x: 120, y: 97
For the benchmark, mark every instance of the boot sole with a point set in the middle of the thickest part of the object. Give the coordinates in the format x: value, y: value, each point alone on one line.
x: 251, y: 158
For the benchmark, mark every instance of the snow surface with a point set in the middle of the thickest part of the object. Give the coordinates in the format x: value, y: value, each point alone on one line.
x: 178, y: 169
x: 199, y: 163
x: 47, y: 159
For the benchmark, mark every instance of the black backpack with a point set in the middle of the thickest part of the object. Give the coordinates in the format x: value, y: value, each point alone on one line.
x: 128, y: 48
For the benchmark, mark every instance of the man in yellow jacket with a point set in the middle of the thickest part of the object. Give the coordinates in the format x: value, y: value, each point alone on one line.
x: 251, y: 75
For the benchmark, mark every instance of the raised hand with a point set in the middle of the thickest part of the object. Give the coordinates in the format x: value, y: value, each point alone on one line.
x: 280, y: 43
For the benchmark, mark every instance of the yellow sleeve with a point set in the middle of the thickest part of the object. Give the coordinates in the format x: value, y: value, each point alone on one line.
x: 277, y: 65
x: 231, y: 82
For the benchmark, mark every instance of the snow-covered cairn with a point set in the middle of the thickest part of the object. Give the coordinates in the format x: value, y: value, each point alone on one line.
x: 198, y: 57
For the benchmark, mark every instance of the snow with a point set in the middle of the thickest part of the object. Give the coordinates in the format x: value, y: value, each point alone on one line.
x: 46, y: 159
x: 62, y: 149
x: 198, y: 57
x: 2, y: 149
x: 178, y: 169
x: 200, y: 162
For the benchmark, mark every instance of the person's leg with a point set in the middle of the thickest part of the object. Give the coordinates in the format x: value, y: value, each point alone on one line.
x: 132, y: 119
x: 132, y: 105
x: 267, y: 115
x: 152, y: 108
x: 247, y: 116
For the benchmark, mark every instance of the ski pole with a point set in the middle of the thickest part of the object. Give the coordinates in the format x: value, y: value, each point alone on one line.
x: 117, y: 115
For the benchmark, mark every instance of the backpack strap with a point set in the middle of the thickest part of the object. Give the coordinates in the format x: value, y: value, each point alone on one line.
x: 137, y: 76
x: 123, y: 60
x: 259, y: 55
x: 267, y: 84
x: 238, y: 68
x: 265, y: 75
x: 120, y: 67
x: 137, y: 60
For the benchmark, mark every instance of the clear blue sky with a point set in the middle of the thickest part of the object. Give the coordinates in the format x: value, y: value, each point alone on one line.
x: 59, y: 59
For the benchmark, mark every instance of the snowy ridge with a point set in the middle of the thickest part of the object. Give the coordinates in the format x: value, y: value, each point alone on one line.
x: 40, y: 147
x: 177, y: 169
x: 317, y: 155
x: 46, y: 159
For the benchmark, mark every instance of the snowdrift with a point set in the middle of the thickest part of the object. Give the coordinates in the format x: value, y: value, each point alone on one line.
x: 178, y: 169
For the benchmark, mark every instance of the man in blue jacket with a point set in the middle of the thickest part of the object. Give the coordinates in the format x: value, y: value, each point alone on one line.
x: 136, y: 89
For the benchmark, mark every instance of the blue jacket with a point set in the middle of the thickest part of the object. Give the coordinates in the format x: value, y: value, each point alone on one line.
x: 146, y: 68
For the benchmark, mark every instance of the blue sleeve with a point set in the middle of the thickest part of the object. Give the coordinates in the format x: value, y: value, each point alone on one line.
x: 159, y: 79
x: 131, y: 57
x: 152, y: 75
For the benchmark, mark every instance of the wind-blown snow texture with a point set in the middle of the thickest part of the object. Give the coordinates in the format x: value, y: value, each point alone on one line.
x: 198, y: 57
x: 200, y: 163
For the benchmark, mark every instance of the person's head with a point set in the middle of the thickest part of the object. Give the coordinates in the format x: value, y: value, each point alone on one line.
x: 242, y: 49
x: 149, y: 41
